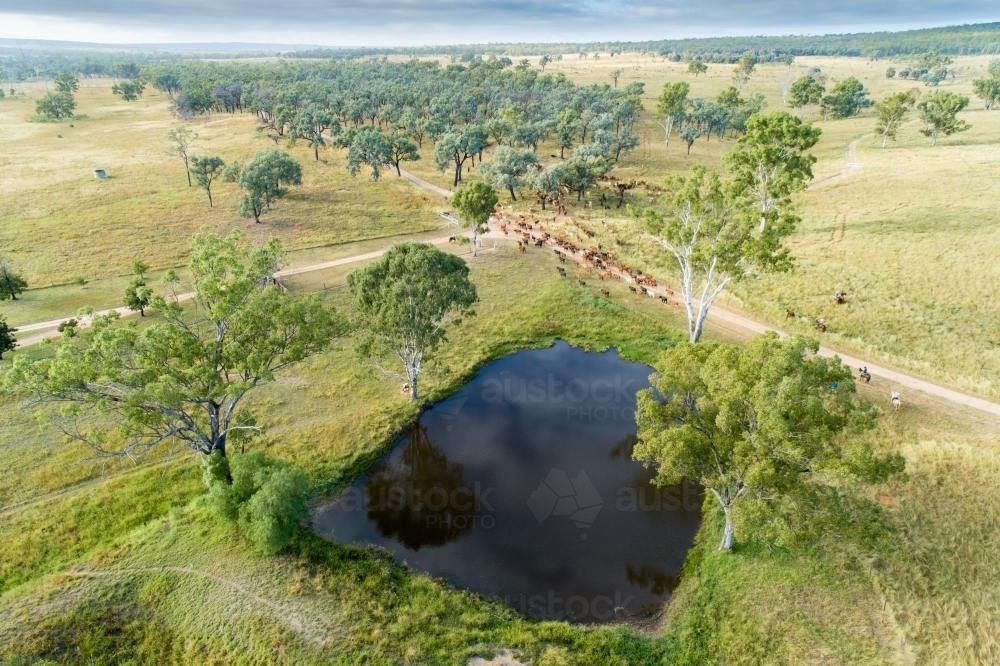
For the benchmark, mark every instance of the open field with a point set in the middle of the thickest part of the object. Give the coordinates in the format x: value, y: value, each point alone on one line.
x: 333, y: 416
x: 126, y: 565
x: 93, y: 229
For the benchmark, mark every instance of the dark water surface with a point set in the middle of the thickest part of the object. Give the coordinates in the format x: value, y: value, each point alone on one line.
x: 522, y: 486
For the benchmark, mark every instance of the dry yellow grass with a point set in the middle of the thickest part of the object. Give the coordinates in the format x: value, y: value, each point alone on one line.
x: 59, y: 222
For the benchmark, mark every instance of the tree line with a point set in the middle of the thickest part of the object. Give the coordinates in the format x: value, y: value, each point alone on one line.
x: 975, y: 39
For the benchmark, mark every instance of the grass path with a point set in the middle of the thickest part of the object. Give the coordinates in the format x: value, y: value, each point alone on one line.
x: 46, y: 326
x: 852, y: 165
x: 420, y: 182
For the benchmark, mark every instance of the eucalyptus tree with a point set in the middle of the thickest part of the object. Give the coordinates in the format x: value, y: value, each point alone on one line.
x: 207, y: 169
x: 11, y: 282
x: 891, y: 114
x: 745, y: 67
x: 697, y: 67
x: 545, y: 183
x: 414, y: 124
x: 507, y: 168
x: 988, y: 90
x: 713, y: 236
x: 501, y: 127
x: 129, y: 91
x: 138, y: 295
x: 123, y: 390
x: 309, y: 124
x: 806, y: 91
x: 406, y: 300
x: 582, y: 171
x: 367, y: 146
x: 401, y: 149
x: 939, y: 114
x: 180, y: 139
x: 56, y: 105
x: 264, y: 179
x: 670, y: 106
x: 689, y: 133
x: 66, y: 82
x: 7, y: 340
x: 785, y: 81
x: 456, y: 147
x: 846, y: 99
x: 475, y: 203
x: 567, y: 127
x: 769, y: 162
x: 769, y: 428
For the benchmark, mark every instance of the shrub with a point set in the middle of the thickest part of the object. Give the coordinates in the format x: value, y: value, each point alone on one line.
x: 264, y: 498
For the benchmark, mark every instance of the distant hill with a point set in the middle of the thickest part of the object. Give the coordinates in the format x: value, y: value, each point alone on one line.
x: 976, y: 39
x: 30, y: 59
x: 8, y: 45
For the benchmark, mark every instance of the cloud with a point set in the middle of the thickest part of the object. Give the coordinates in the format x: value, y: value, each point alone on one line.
x: 379, y: 22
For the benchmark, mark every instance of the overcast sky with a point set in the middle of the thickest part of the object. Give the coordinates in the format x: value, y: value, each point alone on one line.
x: 409, y: 22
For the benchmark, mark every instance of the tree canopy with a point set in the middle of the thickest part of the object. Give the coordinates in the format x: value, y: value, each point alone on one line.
x: 264, y: 179
x: 714, y: 237
x: 891, y: 114
x: 207, y: 169
x: 475, y: 203
x: 56, y: 105
x: 138, y: 295
x: 846, y: 99
x: 180, y: 139
x: 124, y: 390
x: 805, y: 91
x: 507, y: 168
x: 769, y: 162
x: 939, y: 114
x: 670, y: 105
x: 7, y: 340
x: 768, y: 428
x: 367, y: 146
x: 11, y: 283
x: 405, y: 301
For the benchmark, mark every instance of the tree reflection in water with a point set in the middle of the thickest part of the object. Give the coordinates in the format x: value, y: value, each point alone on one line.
x: 657, y: 582
x: 420, y: 499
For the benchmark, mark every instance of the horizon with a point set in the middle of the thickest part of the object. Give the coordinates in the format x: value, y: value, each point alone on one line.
x: 396, y: 23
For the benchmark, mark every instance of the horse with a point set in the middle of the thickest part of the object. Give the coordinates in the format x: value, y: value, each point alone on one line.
x: 865, y: 376
x: 789, y: 314
x: 605, y: 293
x: 840, y: 297
x: 821, y: 325
x: 895, y: 400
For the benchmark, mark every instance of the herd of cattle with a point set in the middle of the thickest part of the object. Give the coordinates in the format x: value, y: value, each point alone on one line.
x: 591, y: 259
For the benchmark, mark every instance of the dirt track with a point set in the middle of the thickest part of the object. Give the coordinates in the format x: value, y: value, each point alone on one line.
x: 717, y: 313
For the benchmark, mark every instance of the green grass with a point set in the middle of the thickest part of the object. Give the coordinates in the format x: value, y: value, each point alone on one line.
x: 333, y: 416
x: 123, y: 564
